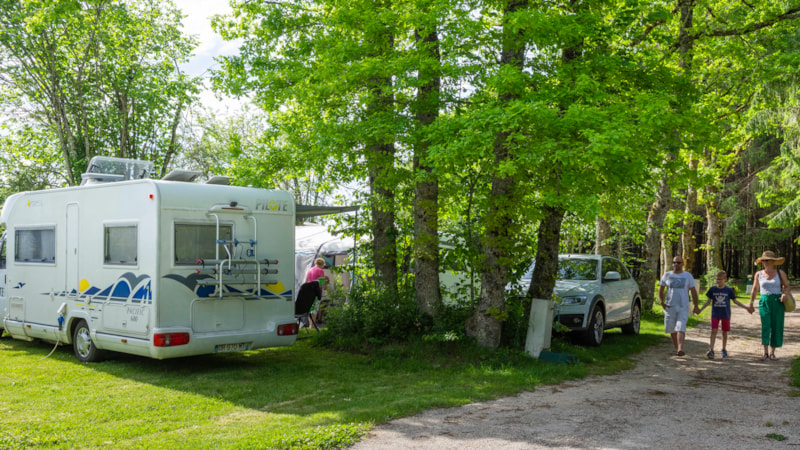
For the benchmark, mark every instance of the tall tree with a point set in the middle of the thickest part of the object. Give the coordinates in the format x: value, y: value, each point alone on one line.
x: 776, y: 111
x: 380, y: 147
x: 652, y: 244
x: 426, y: 189
x: 101, y: 76
x: 602, y: 235
x: 558, y: 154
x: 716, y: 50
x: 487, y: 324
x: 361, y: 78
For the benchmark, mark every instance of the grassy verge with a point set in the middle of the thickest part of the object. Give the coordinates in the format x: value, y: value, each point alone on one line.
x: 296, y: 397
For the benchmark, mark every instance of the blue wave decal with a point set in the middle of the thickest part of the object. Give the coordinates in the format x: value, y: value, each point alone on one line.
x: 91, y: 291
x: 205, y: 291
x: 190, y: 281
x: 143, y: 293
x: 119, y: 291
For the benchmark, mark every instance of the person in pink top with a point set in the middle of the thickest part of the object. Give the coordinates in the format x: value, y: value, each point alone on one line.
x: 316, y: 272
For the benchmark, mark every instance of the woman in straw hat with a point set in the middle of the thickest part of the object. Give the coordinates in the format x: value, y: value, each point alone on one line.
x: 773, y: 285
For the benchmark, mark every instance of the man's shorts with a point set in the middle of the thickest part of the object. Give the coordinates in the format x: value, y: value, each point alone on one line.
x: 675, y: 321
x: 726, y: 324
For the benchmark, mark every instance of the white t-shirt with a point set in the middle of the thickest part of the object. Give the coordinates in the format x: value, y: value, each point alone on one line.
x: 678, y: 286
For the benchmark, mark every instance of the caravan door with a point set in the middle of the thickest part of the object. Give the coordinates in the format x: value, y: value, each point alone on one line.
x: 71, y: 267
x: 3, y: 308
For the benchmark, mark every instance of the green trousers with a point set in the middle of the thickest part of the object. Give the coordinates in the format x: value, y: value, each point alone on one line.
x: 771, y: 310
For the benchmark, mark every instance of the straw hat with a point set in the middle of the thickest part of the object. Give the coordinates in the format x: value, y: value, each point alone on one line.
x: 770, y: 256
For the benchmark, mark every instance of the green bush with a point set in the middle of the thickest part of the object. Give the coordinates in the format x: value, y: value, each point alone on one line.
x: 709, y: 279
x: 373, y: 317
x: 448, y: 323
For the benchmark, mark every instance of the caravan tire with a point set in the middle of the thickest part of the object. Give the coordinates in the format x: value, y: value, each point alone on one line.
x: 82, y: 343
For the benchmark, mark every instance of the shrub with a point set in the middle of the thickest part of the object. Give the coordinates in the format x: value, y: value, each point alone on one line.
x: 373, y: 317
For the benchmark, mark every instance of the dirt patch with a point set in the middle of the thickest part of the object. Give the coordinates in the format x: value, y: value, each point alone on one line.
x: 664, y: 401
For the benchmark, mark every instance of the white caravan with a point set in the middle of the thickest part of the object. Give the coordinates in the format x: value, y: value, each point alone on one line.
x: 155, y: 268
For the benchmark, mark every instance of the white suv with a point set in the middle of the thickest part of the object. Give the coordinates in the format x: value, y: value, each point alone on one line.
x: 597, y: 293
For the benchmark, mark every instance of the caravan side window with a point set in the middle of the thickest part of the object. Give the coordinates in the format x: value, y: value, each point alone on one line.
x: 193, y: 241
x: 120, y: 245
x: 35, y: 245
x: 3, y: 252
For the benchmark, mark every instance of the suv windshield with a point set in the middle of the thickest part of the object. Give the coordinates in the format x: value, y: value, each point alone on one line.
x: 577, y: 269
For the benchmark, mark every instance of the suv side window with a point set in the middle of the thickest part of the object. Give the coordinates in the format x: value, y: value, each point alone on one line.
x: 623, y: 271
x: 608, y: 266
x: 614, y: 265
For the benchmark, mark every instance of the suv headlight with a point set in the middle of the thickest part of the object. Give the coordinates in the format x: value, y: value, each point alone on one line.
x: 579, y: 300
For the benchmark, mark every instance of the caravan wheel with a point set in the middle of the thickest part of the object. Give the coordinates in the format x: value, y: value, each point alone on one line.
x: 85, y: 349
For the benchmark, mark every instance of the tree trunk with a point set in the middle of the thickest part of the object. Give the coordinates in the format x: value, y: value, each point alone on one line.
x: 380, y: 154
x: 603, y: 234
x: 688, y: 246
x: 652, y: 243
x: 384, y: 233
x: 426, y: 192
x: 666, y: 254
x: 543, y: 279
x: 686, y: 45
x: 60, y: 121
x: 485, y: 325
x: 714, y: 231
x: 173, y: 140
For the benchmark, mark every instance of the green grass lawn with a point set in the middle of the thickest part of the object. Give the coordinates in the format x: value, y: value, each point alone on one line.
x: 294, y: 397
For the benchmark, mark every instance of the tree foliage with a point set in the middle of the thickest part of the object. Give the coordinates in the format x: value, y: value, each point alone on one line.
x: 97, y: 77
x: 632, y: 110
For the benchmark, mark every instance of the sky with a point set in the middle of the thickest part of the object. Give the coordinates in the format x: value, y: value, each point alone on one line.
x: 197, y: 23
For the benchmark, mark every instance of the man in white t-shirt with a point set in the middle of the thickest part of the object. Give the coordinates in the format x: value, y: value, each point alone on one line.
x: 676, y: 284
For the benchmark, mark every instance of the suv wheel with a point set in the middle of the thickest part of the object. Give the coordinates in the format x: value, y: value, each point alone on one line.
x: 594, y: 331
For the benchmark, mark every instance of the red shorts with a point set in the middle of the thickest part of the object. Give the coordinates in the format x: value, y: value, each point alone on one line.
x: 726, y: 324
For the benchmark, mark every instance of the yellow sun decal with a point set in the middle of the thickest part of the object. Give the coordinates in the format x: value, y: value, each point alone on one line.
x: 83, y: 285
x: 275, y: 287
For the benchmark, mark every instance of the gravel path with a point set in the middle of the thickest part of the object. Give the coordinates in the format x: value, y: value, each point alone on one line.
x: 663, y: 402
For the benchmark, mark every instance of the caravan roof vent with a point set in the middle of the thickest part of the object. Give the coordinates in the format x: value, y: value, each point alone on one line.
x: 182, y: 175
x: 219, y: 179
x: 104, y: 169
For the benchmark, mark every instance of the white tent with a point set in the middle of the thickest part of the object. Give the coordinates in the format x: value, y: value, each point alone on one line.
x: 314, y: 241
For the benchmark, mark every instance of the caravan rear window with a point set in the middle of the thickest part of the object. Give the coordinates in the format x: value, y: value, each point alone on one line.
x: 35, y: 245
x: 195, y: 241
x: 121, y: 245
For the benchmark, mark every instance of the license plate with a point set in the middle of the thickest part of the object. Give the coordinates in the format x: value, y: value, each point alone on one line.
x: 225, y: 348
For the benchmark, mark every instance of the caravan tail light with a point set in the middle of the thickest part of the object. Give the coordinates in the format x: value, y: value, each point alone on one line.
x: 170, y: 339
x: 287, y: 329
